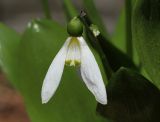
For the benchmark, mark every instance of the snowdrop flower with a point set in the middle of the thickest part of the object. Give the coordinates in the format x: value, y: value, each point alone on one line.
x: 75, y: 52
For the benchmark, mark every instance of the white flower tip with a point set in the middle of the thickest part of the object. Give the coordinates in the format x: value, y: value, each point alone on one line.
x: 45, y: 97
x: 102, y: 101
x: 44, y: 101
x: 101, y: 97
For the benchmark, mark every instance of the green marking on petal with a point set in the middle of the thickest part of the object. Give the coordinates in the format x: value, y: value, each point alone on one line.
x: 74, y: 63
x: 77, y: 63
x: 75, y: 41
x: 67, y: 62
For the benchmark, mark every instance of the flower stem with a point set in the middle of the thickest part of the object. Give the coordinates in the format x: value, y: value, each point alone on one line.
x: 95, y: 42
x: 69, y: 9
x: 46, y: 9
x: 129, y: 43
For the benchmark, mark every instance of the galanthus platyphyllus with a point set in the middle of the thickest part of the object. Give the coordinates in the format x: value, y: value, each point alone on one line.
x: 75, y: 52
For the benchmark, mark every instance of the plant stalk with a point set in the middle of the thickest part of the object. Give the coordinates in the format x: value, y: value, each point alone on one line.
x: 129, y: 43
x: 46, y: 9
x: 69, y: 9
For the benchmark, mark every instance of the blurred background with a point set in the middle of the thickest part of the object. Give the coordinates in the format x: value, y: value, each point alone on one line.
x: 16, y: 14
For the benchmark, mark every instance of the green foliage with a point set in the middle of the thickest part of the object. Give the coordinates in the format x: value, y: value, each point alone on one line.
x: 146, y: 29
x: 119, y: 35
x: 132, y: 98
x: 115, y: 56
x: 9, y: 41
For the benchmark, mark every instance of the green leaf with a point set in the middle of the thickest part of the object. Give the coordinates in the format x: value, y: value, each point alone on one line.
x: 94, y: 16
x: 72, y: 101
x: 119, y: 35
x: 115, y: 56
x: 9, y: 40
x: 132, y: 98
x: 146, y: 29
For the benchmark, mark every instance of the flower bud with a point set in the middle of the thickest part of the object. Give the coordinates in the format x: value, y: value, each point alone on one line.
x: 75, y: 27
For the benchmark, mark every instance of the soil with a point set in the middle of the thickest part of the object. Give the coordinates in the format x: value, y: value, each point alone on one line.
x: 12, y: 107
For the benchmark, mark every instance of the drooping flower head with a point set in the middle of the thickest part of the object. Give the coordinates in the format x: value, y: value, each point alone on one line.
x: 75, y: 51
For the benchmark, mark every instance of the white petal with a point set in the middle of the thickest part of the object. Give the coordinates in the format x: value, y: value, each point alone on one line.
x: 73, y: 53
x: 91, y: 73
x: 54, y: 74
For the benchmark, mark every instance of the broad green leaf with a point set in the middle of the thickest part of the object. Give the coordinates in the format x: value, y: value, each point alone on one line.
x: 72, y: 101
x: 146, y: 29
x: 94, y: 16
x: 119, y: 35
x: 69, y: 9
x: 132, y: 98
x: 115, y: 56
x: 9, y: 41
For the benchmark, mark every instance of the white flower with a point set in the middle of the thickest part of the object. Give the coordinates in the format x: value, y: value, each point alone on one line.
x: 75, y: 51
